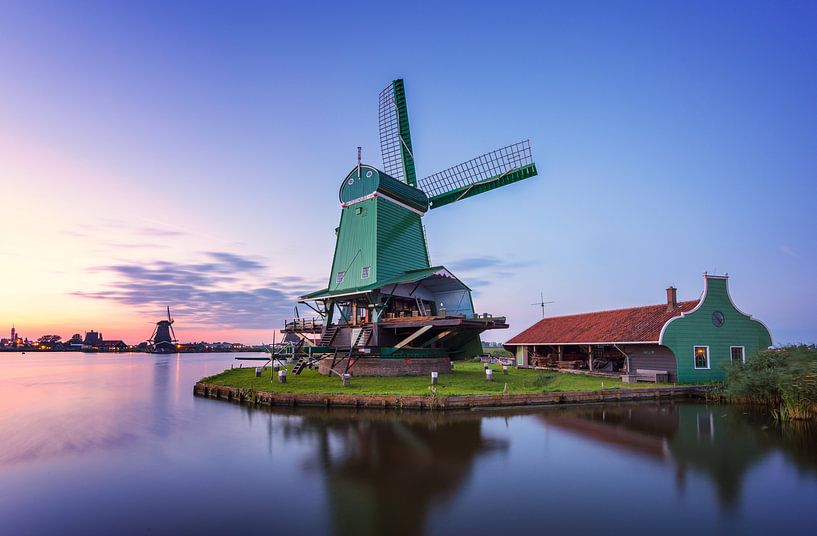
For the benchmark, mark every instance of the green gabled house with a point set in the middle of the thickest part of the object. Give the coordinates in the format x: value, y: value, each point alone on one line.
x: 688, y: 342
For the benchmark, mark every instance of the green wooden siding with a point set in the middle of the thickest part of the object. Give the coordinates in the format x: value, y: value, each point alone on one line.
x: 382, y: 235
x: 355, y: 247
x: 401, y: 245
x: 696, y: 328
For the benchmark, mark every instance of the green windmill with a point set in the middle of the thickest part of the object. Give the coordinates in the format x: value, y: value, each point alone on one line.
x: 386, y: 310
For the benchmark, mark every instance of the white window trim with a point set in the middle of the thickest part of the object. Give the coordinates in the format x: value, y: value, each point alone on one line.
x: 708, y: 358
x: 340, y: 277
x: 742, y: 353
x: 368, y: 272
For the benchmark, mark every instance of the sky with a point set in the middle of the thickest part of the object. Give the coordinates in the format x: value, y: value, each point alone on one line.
x: 190, y: 153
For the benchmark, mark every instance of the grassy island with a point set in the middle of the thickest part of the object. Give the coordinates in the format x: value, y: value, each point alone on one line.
x: 468, y: 378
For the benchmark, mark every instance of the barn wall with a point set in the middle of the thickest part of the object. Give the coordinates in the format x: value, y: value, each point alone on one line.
x: 652, y: 357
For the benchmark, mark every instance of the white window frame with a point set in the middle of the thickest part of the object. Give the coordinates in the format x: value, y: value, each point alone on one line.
x: 708, y: 358
x: 340, y: 277
x: 365, y: 272
x: 742, y: 354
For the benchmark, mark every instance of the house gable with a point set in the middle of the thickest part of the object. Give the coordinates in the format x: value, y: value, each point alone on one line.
x: 715, y: 323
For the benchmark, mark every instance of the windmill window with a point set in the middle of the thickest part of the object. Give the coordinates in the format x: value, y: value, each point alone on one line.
x: 359, y: 210
x: 341, y: 275
x: 701, y: 354
x: 364, y: 272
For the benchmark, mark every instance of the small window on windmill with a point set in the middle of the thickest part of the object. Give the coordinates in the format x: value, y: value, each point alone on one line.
x: 359, y: 210
x: 364, y: 272
x: 340, y: 276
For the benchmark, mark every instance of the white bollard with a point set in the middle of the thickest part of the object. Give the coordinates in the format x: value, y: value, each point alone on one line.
x: 276, y: 365
x: 505, y: 370
x: 282, y: 376
x: 346, y: 379
x: 489, y: 374
x: 257, y: 372
x: 434, y: 376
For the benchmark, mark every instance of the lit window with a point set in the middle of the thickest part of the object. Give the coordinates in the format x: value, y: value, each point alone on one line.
x: 738, y: 355
x: 702, y: 357
x: 364, y: 272
x: 340, y: 276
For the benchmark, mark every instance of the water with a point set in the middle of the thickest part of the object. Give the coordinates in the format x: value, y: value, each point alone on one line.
x: 102, y: 444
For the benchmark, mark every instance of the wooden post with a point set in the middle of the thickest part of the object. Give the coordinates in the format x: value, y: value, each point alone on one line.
x: 282, y: 376
x: 489, y: 374
x: 434, y: 376
x: 590, y: 357
x: 257, y: 372
x: 505, y: 370
x: 346, y: 379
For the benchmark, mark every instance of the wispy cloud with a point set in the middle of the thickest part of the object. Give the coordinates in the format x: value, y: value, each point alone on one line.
x: 225, y: 290
x: 155, y: 231
x: 788, y: 250
x: 483, y: 270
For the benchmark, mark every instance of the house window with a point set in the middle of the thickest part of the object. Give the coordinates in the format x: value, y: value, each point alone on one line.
x: 359, y: 210
x: 364, y: 272
x: 341, y: 276
x: 701, y: 357
x: 738, y: 355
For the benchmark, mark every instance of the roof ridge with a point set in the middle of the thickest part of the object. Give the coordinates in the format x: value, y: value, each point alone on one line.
x: 619, y: 309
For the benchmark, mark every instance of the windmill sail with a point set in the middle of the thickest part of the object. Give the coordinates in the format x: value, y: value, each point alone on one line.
x: 395, y: 137
x: 487, y: 172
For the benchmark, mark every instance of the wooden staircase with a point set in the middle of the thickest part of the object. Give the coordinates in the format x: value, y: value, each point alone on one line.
x: 328, y: 335
x: 364, y: 336
x: 306, y: 362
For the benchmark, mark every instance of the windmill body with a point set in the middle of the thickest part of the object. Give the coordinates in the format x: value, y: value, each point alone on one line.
x: 386, y: 310
x: 163, y: 340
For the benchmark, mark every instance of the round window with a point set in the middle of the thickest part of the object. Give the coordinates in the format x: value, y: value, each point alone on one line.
x: 718, y: 319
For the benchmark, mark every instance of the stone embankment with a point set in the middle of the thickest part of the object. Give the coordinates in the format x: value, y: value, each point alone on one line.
x: 429, y: 402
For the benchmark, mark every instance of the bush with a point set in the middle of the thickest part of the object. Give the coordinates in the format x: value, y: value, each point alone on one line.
x: 784, y: 380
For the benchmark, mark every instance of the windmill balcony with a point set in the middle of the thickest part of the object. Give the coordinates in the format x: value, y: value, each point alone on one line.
x: 304, y: 325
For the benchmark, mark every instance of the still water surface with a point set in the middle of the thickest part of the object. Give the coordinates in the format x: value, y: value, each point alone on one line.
x: 102, y: 444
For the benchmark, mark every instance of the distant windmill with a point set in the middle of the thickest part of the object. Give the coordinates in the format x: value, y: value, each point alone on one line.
x: 163, y: 340
x: 541, y: 303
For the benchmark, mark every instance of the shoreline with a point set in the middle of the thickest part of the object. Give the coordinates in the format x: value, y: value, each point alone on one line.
x: 251, y: 397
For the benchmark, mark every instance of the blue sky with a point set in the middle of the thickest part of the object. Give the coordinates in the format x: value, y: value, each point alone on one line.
x: 138, y: 140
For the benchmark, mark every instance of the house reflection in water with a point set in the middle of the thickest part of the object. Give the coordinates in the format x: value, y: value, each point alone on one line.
x: 385, y: 470
x: 717, y: 441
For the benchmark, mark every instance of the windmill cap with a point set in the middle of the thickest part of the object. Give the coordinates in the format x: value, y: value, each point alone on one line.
x: 370, y: 182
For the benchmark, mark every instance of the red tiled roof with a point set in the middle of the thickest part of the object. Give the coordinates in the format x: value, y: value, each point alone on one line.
x: 636, y: 324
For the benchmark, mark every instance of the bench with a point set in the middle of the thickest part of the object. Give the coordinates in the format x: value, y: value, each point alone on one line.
x: 646, y: 375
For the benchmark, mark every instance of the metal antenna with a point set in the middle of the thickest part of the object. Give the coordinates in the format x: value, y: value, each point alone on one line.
x: 541, y: 303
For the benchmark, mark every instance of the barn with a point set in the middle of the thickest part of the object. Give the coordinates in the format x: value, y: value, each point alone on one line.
x: 691, y: 341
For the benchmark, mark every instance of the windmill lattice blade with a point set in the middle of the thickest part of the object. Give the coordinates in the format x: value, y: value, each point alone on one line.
x: 389, y: 133
x: 395, y: 138
x: 492, y: 170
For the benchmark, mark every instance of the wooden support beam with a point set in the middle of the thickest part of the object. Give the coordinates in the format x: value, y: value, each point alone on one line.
x: 413, y: 336
x: 590, y: 357
x: 438, y: 337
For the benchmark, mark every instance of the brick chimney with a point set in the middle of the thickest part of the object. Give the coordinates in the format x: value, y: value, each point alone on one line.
x: 672, y: 298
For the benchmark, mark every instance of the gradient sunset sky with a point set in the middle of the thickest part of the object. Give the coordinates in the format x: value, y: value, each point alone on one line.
x: 189, y: 154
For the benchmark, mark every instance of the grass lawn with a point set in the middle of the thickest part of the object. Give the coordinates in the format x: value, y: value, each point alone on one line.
x: 468, y: 378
